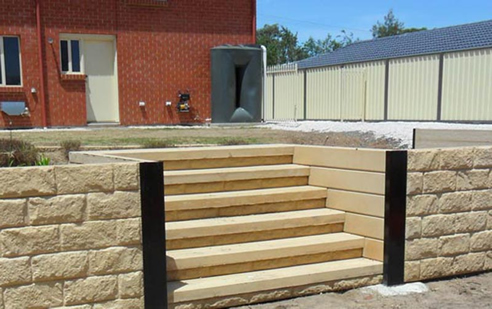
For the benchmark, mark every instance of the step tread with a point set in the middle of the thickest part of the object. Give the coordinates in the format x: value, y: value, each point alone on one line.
x: 262, y: 250
x: 235, y: 173
x: 272, y: 279
x: 246, y: 197
x: 252, y: 223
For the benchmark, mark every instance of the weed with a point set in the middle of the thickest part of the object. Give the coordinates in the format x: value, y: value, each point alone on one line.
x: 43, y: 161
x: 70, y: 145
x: 234, y: 141
x: 17, y: 153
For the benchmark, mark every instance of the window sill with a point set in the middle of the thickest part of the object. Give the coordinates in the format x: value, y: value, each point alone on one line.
x: 73, y: 77
x: 11, y: 89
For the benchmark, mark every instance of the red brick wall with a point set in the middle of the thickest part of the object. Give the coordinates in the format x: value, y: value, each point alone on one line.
x: 161, y: 49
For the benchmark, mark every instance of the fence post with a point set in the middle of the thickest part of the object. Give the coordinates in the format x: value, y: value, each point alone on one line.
x: 395, y: 200
x: 153, y: 234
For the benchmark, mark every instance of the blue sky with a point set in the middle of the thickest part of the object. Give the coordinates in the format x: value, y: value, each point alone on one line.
x: 318, y: 17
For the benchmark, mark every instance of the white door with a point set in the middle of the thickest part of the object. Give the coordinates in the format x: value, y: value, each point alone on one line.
x: 102, y: 82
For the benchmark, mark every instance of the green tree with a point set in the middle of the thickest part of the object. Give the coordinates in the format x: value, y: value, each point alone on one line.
x: 281, y: 43
x: 391, y: 26
x: 314, y: 47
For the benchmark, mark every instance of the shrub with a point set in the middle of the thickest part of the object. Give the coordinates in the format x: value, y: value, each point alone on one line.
x: 17, y: 153
x: 70, y: 145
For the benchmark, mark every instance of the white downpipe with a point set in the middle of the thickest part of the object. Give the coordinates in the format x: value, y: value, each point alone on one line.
x: 263, y: 48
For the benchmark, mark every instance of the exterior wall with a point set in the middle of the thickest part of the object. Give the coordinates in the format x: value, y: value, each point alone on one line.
x: 449, y: 213
x: 413, y: 87
x: 70, y: 235
x: 161, y: 49
x: 466, y: 86
x: 355, y: 180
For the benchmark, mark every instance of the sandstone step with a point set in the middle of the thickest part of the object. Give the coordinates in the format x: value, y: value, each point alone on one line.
x: 238, y: 203
x: 235, y: 178
x: 261, y: 282
x: 245, y: 257
x: 241, y: 229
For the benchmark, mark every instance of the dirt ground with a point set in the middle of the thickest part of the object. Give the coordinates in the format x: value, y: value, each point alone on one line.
x: 114, y: 138
x: 469, y: 292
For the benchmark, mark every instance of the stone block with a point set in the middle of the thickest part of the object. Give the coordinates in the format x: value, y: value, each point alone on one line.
x: 27, y: 181
x: 423, y: 160
x: 1, y: 299
x: 489, y: 220
x: 58, y: 209
x: 454, y: 245
x: 471, y: 222
x: 90, y: 290
x: 40, y: 295
x: 59, y: 266
x: 457, y: 158
x: 29, y: 240
x: 126, y: 176
x: 15, y: 271
x: 12, y: 213
x: 423, y: 248
x: 84, y: 178
x: 131, y: 285
x: 413, y: 228
x: 482, y: 200
x: 88, y: 235
x: 422, y: 205
x: 481, y: 241
x: 120, y: 204
x: 438, y: 225
x: 412, y: 271
x: 482, y: 157
x: 136, y: 303
x: 129, y: 231
x: 469, y: 263
x: 455, y: 202
x: 115, y: 260
x: 472, y: 180
x: 442, y: 181
x: 488, y: 261
x: 436, y: 268
x: 415, y: 183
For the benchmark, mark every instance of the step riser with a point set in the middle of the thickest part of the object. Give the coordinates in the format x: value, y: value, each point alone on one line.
x: 243, y: 210
x: 225, y: 186
x: 262, y: 265
x: 226, y: 162
x: 252, y: 236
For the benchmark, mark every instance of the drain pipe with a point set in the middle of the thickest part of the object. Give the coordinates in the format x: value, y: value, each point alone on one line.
x: 263, y: 48
x: 41, y: 67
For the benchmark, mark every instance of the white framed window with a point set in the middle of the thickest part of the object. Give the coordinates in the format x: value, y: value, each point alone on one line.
x: 71, y: 56
x: 10, y: 61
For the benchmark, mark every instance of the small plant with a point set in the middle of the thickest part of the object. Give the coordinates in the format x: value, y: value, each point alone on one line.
x: 70, y: 145
x: 17, y: 153
x: 43, y: 161
x: 156, y: 143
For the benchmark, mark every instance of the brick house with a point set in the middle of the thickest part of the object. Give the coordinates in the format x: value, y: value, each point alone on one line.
x: 101, y: 59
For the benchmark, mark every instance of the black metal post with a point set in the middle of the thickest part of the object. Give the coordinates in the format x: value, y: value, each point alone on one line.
x: 395, y: 217
x: 386, y: 88
x: 439, y: 89
x: 153, y: 234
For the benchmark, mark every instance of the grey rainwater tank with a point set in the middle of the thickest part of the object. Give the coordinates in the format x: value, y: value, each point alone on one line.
x: 237, y: 83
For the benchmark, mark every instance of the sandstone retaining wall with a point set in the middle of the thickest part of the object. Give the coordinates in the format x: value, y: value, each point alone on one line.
x: 70, y: 236
x: 449, y: 213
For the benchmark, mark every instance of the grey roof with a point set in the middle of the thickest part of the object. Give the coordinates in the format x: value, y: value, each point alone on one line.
x: 462, y: 37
